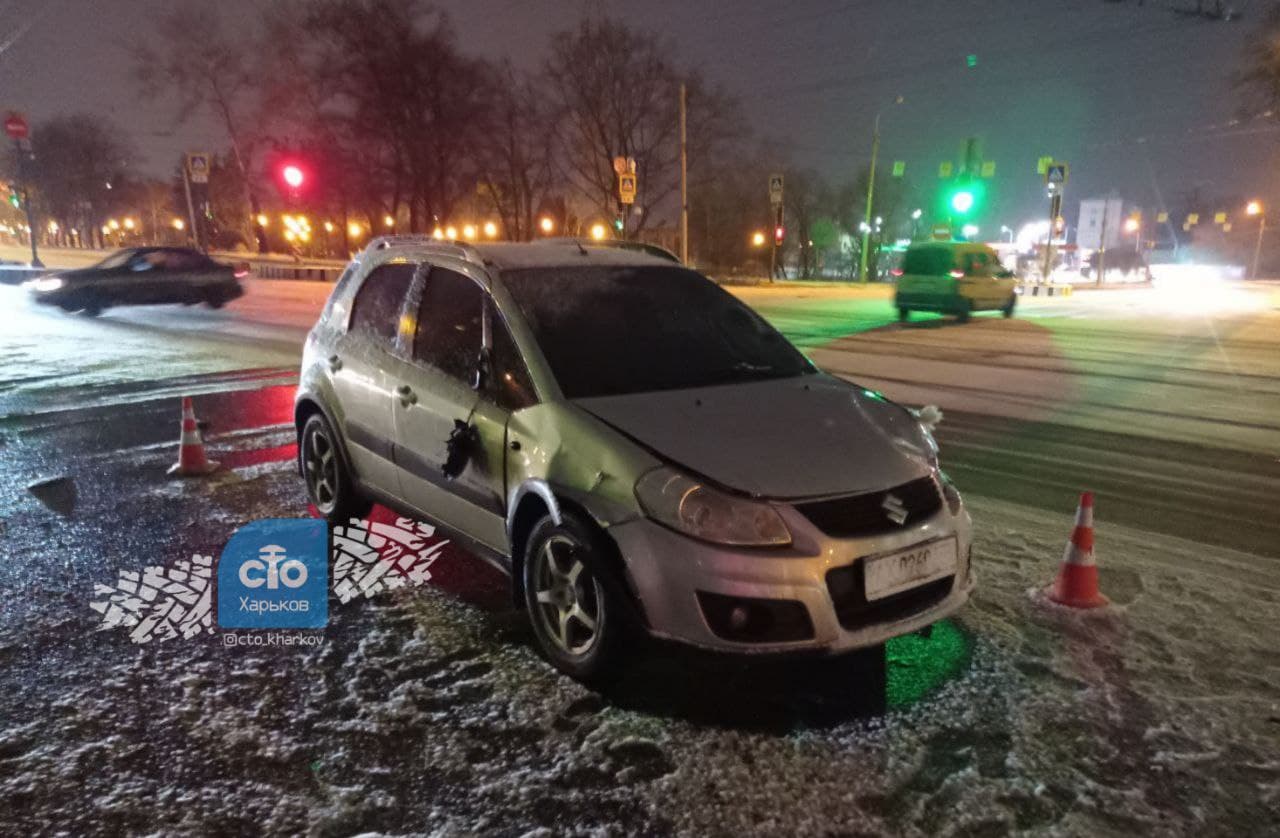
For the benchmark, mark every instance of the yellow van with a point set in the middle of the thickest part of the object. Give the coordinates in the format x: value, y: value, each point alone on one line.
x: 953, y: 278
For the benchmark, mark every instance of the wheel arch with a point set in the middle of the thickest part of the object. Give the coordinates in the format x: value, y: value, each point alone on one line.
x: 536, y: 498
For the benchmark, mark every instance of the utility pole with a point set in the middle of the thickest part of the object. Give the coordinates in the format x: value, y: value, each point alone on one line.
x: 684, y: 176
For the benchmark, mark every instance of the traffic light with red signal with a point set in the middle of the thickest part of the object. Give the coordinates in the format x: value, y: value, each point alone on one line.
x: 292, y: 177
x: 779, y: 233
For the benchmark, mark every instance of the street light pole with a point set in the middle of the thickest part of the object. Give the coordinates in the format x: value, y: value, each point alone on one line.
x: 1257, y: 248
x: 871, y: 189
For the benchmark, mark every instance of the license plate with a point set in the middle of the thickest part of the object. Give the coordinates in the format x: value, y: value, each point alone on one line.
x: 887, y: 575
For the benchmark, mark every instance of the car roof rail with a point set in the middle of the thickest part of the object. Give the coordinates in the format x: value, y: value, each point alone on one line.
x: 462, y: 250
x: 617, y: 244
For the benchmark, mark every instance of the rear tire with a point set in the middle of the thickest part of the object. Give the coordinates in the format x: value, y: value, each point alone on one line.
x: 330, y: 486
x: 1007, y: 311
x: 576, y: 603
x: 964, y: 311
x: 904, y: 314
x: 91, y: 309
x: 216, y: 299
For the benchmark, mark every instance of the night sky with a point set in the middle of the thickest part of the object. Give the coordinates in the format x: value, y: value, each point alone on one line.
x: 1135, y: 98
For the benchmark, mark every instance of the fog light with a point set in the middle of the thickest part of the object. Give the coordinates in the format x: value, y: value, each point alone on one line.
x: 738, y: 618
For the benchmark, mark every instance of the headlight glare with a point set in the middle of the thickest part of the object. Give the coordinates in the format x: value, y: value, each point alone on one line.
x: 698, y: 510
x: 49, y: 283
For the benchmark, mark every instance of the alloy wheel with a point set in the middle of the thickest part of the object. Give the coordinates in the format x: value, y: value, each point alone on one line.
x: 322, y: 468
x: 569, y: 598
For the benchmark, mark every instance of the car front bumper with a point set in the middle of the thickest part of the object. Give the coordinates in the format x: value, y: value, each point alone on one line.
x: 669, y: 570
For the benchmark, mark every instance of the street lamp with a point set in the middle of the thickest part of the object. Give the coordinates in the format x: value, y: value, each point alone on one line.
x: 871, y: 189
x: 354, y: 230
x: 1255, y: 208
x: 598, y: 231
x: 757, y: 239
x: 451, y: 233
x: 546, y: 225
x: 468, y: 231
x: 491, y: 229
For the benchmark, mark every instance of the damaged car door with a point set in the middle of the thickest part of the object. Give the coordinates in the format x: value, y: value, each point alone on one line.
x: 450, y: 433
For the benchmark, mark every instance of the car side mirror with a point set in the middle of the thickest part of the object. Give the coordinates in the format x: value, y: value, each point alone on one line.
x: 138, y: 265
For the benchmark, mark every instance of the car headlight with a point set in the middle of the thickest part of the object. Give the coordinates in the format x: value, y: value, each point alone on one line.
x: 47, y: 283
x: 698, y: 510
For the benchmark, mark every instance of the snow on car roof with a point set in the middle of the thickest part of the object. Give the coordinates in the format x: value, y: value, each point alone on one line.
x: 516, y: 255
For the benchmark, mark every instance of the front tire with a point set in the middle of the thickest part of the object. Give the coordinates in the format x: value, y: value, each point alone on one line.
x: 1007, y: 311
x: 575, y: 603
x: 964, y: 311
x: 904, y: 314
x: 330, y: 486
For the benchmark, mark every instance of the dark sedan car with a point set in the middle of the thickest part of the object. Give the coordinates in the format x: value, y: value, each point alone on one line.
x: 141, y: 276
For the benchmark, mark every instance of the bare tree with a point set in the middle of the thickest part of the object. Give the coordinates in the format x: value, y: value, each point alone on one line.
x: 1259, y: 76
x: 206, y: 67
x: 80, y: 160
x: 515, y: 156
x: 616, y: 95
x: 386, y: 82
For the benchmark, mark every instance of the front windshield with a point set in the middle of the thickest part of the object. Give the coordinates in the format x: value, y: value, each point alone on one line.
x: 615, y: 330
x: 117, y: 259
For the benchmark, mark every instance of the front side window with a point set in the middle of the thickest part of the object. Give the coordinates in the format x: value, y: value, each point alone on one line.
x: 449, y: 331
x: 616, y: 330
x: 509, y: 383
x: 376, y: 309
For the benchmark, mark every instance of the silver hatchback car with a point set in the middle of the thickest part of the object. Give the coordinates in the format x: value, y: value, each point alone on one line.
x: 637, y: 448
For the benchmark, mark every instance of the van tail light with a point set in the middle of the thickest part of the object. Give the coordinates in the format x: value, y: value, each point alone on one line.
x: 896, y: 272
x: 241, y: 270
x: 957, y: 274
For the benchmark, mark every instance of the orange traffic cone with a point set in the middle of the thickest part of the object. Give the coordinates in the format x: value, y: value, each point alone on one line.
x: 191, y: 459
x: 1077, y: 582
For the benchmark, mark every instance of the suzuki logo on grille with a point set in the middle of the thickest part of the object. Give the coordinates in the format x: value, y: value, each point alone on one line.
x: 894, y: 509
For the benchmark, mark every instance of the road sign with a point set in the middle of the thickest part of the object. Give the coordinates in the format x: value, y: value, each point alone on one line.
x: 1043, y: 164
x: 1220, y: 218
x: 15, y: 125
x: 198, y: 166
x: 627, y: 187
x: 988, y: 168
x: 775, y: 190
x: 899, y: 168
x: 1193, y: 219
x: 1056, y: 174
x: 945, y: 169
x: 1162, y: 218
x: 942, y: 233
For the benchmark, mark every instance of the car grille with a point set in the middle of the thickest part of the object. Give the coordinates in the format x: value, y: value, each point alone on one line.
x: 848, y: 595
x: 863, y: 515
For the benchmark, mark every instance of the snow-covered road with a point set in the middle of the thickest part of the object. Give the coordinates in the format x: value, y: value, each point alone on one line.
x: 428, y: 710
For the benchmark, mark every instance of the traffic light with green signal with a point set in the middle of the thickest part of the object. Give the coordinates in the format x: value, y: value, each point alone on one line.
x: 963, y: 200
x: 14, y: 199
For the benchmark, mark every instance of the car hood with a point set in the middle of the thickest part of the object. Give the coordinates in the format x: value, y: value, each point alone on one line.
x: 799, y: 437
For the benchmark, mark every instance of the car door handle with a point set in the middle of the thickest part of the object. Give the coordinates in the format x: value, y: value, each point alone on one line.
x: 335, y: 363
x: 407, y: 396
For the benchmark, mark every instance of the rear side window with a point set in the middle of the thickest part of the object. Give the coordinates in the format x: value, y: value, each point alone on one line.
x: 929, y: 261
x: 449, y: 329
x: 376, y: 310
